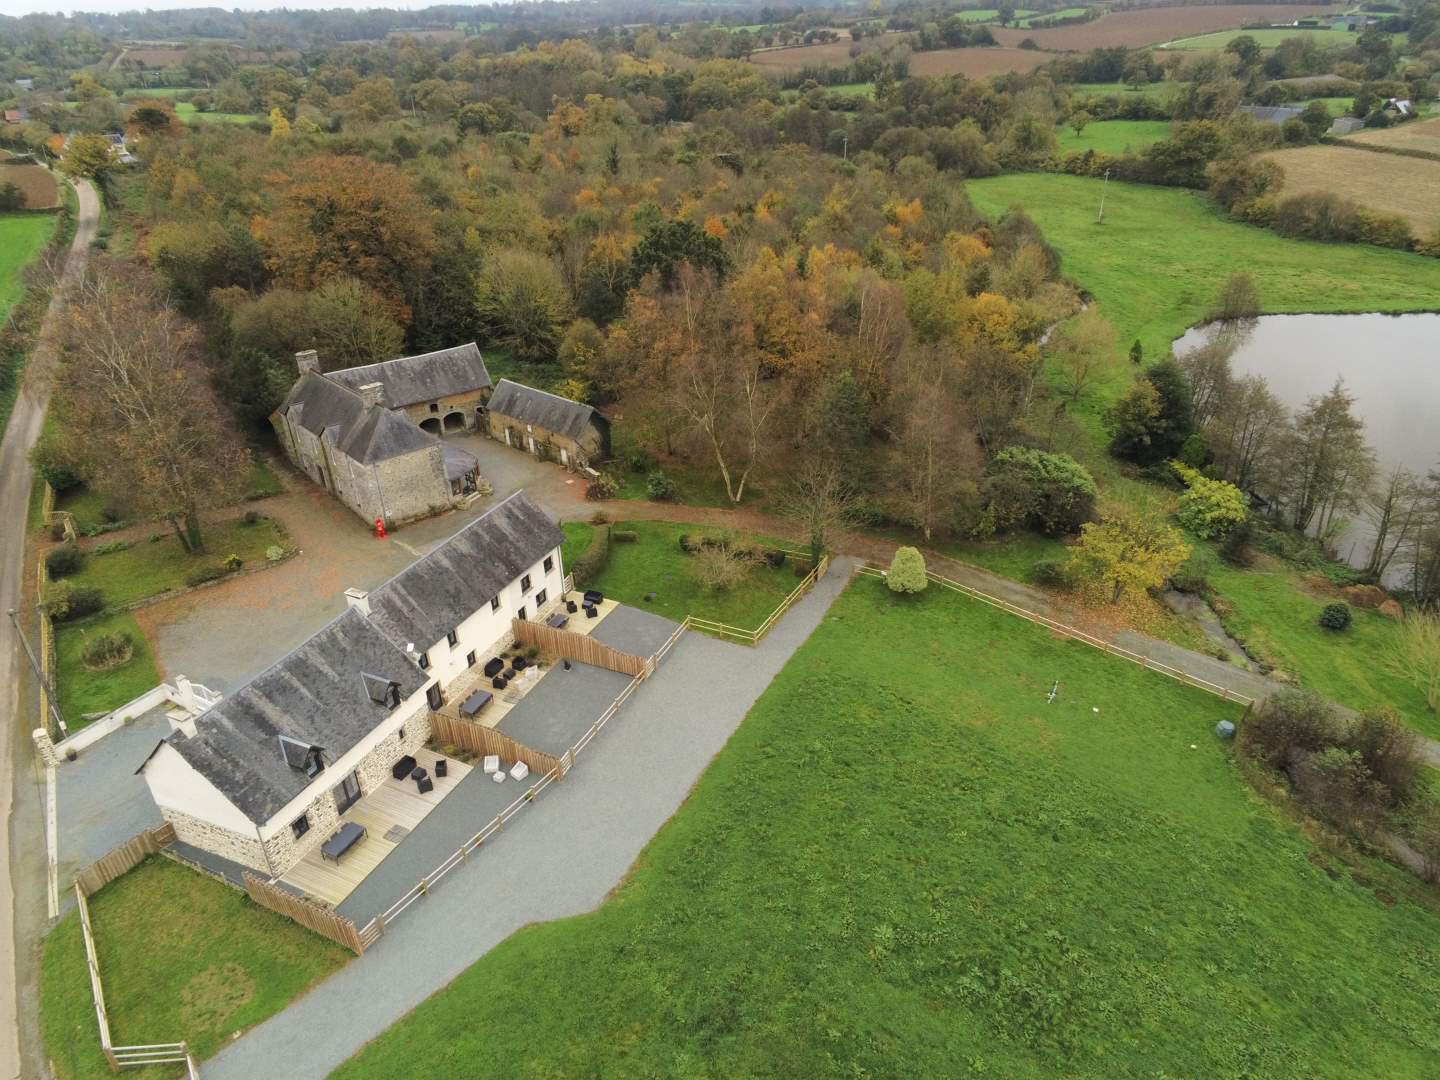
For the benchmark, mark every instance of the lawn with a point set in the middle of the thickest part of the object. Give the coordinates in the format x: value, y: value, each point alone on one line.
x: 655, y: 564
x: 577, y: 539
x: 182, y: 957
x: 1112, y: 136
x: 89, y: 506
x: 1274, y: 614
x: 83, y: 692
x: 917, y: 867
x: 22, y: 236
x: 149, y: 567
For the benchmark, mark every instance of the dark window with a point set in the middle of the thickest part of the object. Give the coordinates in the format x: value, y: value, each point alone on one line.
x: 470, y: 659
x: 392, y: 696
x: 453, y: 637
x: 434, y: 407
x: 424, y: 661
x: 494, y: 603
x: 539, y: 599
x: 525, y: 584
x: 402, y: 734
x: 300, y: 826
x: 520, y: 614
x: 549, y: 563
x: 314, y: 766
x: 434, y: 697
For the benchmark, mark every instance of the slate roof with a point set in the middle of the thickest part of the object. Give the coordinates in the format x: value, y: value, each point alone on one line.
x: 424, y: 602
x: 427, y: 377
x: 545, y: 410
x: 364, y: 434
x: 1271, y: 114
x: 318, y: 695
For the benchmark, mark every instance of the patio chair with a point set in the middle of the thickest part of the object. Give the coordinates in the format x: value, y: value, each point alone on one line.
x: 442, y: 767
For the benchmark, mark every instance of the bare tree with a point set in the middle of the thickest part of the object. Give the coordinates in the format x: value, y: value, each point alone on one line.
x: 1248, y: 430
x: 933, y: 438
x: 1207, y: 368
x: 1327, y: 463
x: 1394, y: 510
x: 821, y: 498
x: 729, y: 401
x: 1080, y: 347
x: 142, y: 422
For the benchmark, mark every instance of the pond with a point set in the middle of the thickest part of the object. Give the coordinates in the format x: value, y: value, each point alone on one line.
x: 1390, y: 364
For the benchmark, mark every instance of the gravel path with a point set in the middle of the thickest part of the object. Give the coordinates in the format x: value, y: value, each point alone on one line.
x: 562, y: 857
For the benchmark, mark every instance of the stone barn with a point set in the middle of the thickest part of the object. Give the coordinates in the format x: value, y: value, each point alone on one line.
x: 440, y: 392
x: 548, y: 426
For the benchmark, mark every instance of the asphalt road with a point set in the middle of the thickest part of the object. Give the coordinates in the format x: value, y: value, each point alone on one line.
x: 22, y: 891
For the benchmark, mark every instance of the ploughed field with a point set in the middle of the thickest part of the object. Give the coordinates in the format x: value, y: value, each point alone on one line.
x: 1416, y: 136
x: 1391, y: 183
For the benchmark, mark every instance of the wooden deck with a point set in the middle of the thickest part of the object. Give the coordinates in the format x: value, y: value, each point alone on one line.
x: 391, y: 810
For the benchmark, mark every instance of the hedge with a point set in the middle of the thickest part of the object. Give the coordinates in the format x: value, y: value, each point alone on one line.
x: 595, y: 558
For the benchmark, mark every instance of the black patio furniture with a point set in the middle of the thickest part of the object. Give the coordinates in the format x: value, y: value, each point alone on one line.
x: 571, y: 606
x: 425, y: 784
x: 402, y: 767
x: 473, y: 704
x: 509, y: 674
x: 557, y: 621
x: 521, y: 663
x: 594, y: 597
x: 442, y: 767
x: 349, y: 835
x: 418, y: 773
x: 493, y: 667
x: 498, y: 682
x: 590, y: 611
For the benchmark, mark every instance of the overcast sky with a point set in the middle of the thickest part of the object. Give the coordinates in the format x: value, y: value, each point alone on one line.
x: 25, y: 7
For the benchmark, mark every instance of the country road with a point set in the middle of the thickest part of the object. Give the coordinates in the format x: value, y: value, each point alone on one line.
x: 22, y: 837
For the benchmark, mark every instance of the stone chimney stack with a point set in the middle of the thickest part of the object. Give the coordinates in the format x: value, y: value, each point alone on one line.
x: 374, y: 395
x: 358, y: 599
x: 307, y: 362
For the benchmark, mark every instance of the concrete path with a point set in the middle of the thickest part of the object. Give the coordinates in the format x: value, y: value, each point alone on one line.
x: 22, y: 923
x: 561, y: 857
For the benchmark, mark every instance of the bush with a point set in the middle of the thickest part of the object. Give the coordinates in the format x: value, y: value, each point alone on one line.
x: 1392, y: 752
x: 624, y: 536
x: 1209, y: 508
x: 775, y: 559
x: 1236, y: 549
x: 74, y: 602
x: 252, y: 517
x: 52, y: 463
x: 716, y: 568
x: 1288, y: 726
x: 274, y: 553
x: 601, y: 488
x: 204, y: 574
x: 907, y: 571
x: 107, y: 650
x: 599, y: 517
x: 110, y: 547
x: 233, y: 562
x: 1335, y: 616
x: 63, y: 561
x: 593, y: 559
x: 1050, y: 492
x: 1052, y: 573
x: 660, y: 487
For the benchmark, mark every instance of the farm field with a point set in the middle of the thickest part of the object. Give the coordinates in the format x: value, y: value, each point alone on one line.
x: 1150, y: 26
x: 1418, y: 135
x: 990, y: 14
x: 37, y: 182
x: 1392, y: 183
x: 1040, y: 19
x: 1150, y: 90
x: 1266, y: 39
x: 1156, y: 264
x: 919, y: 868
x: 21, y: 238
x: 1112, y: 136
x: 978, y: 62
x: 181, y: 956
x: 191, y: 115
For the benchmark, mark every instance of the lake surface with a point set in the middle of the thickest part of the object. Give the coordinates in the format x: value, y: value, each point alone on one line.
x: 1390, y: 364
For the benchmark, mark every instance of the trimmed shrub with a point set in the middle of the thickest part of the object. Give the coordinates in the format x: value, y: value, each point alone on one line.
x: 52, y: 463
x: 252, y: 517
x: 108, y: 650
x: 716, y: 568
x: 1335, y: 616
x: 601, y: 488
x: 74, y: 602
x: 204, y: 574
x: 660, y: 488
x: 624, y: 536
x: 63, y: 561
x: 110, y: 547
x: 1053, y: 573
x: 1209, y: 508
x: 593, y: 559
x: 907, y: 571
x: 274, y: 553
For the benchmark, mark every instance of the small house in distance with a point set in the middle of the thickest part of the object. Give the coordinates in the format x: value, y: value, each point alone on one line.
x: 547, y: 425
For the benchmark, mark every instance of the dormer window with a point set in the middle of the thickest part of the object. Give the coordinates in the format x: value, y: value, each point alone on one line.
x: 381, y: 691
x: 392, y: 696
x: 302, y: 756
x: 313, y: 765
x: 424, y: 661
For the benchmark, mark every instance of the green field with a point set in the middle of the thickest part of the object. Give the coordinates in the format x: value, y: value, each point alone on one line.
x: 1112, y: 136
x: 22, y: 236
x: 83, y: 692
x: 1045, y: 18
x: 988, y: 14
x: 182, y: 957
x: 1266, y: 39
x: 919, y: 868
x: 1276, y: 616
x: 191, y: 115
x: 1158, y: 89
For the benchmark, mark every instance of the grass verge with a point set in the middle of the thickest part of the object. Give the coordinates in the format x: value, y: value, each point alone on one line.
x: 181, y: 957
x: 85, y: 692
x: 919, y: 868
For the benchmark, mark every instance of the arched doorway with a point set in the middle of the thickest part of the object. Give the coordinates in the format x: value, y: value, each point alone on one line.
x: 431, y: 424
x: 454, y: 422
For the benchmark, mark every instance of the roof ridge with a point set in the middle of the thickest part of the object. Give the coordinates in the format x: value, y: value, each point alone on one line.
x: 547, y: 393
x: 417, y: 356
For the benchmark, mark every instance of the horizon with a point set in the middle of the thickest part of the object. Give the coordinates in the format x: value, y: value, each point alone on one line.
x: 20, y: 8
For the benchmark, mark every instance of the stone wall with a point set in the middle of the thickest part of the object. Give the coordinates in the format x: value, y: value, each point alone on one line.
x: 547, y: 444
x: 284, y: 850
x: 375, y: 769
x: 217, y: 840
x: 465, y: 404
x: 412, y: 486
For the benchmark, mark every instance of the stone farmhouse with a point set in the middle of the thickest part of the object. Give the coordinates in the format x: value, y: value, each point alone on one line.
x: 547, y: 425
x: 262, y: 777
x: 372, y: 435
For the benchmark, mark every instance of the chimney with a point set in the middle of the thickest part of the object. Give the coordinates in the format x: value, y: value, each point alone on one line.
x: 307, y: 362
x: 184, y: 724
x: 358, y: 599
x: 374, y: 394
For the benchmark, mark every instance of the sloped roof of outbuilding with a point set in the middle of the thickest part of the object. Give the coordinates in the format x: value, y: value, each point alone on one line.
x: 543, y: 409
x: 427, y: 377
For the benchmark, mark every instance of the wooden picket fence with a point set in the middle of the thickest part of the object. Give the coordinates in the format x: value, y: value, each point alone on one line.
x: 479, y: 739
x: 752, y: 637
x: 312, y: 916
x: 123, y: 858
x: 582, y: 648
x: 1081, y: 636
x: 124, y: 1057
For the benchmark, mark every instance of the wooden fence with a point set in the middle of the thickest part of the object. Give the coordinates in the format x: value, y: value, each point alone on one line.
x: 48, y: 719
x: 122, y: 1057
x: 125, y: 857
x: 752, y: 637
x: 312, y: 916
x: 479, y: 739
x: 572, y: 646
x: 50, y: 516
x: 1080, y: 635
